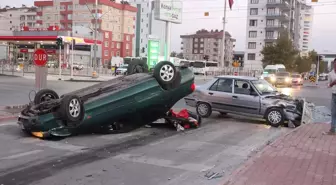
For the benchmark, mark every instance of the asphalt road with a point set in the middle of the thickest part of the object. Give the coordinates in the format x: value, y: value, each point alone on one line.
x: 147, y: 156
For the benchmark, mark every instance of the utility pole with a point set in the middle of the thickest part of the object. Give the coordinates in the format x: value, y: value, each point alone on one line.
x: 95, y: 40
x: 317, y: 69
x: 223, y: 39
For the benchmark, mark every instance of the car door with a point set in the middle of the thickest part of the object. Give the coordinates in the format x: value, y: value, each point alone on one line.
x: 242, y: 100
x: 220, y: 94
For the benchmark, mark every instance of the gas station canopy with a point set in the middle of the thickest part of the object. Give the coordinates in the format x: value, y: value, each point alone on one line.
x: 46, y: 39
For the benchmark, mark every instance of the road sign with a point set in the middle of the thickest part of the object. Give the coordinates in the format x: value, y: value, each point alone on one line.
x: 40, y: 57
x: 312, y: 78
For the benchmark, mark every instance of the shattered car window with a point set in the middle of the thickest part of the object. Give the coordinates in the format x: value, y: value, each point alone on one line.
x: 263, y: 86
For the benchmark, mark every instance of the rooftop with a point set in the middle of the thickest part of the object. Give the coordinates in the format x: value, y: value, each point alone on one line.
x: 207, y: 34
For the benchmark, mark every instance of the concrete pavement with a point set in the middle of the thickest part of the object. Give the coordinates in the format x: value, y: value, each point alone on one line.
x: 148, y: 156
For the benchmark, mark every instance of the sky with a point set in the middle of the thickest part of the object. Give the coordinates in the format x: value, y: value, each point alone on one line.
x: 193, y: 19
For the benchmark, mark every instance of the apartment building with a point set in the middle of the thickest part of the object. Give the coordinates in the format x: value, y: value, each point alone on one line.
x: 142, y: 27
x: 208, y: 44
x: 115, y: 23
x: 12, y: 19
x: 306, y: 24
x: 267, y: 19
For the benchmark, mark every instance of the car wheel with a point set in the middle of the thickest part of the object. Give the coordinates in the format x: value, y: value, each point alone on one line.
x: 45, y: 95
x: 72, y: 108
x: 275, y: 117
x: 203, y: 109
x: 165, y: 72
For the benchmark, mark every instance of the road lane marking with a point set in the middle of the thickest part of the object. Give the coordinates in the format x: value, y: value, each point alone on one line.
x: 161, y: 162
x: 15, y: 156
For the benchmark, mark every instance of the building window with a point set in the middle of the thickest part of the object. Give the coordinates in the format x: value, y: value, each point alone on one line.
x: 69, y: 7
x: 268, y: 44
x: 201, y: 39
x: 254, y: 11
x: 69, y: 16
x: 112, y: 44
x: 196, y: 39
x: 253, y: 22
x: 269, y: 34
x: 270, y: 11
x: 106, y: 52
x: 252, y: 34
x: 195, y: 45
x: 251, y: 56
x: 270, y: 22
x: 127, y: 37
x: 106, y: 35
x: 118, y: 45
x: 252, y: 45
x: 106, y: 44
x: 127, y: 46
x: 118, y: 53
x: 254, y: 1
x: 195, y: 50
x: 201, y: 51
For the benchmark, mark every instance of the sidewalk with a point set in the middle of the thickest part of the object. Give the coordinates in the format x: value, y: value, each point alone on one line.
x: 304, y: 156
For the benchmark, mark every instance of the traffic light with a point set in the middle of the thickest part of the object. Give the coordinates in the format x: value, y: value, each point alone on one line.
x: 59, y: 41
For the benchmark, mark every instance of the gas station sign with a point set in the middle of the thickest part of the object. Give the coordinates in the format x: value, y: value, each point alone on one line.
x: 153, y: 53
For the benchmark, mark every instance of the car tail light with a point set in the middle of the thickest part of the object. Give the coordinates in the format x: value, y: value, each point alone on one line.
x: 193, y: 87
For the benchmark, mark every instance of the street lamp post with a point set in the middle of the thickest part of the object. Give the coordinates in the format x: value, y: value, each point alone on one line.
x: 223, y: 38
x: 95, y: 40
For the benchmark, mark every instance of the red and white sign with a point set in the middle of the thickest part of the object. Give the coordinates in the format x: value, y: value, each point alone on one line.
x: 50, y: 28
x: 40, y: 57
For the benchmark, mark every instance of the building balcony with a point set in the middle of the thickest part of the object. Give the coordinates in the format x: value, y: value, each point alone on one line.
x: 283, y: 17
x: 283, y: 5
x: 270, y: 38
x: 275, y: 27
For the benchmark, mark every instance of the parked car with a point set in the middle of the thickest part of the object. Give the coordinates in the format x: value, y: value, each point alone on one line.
x: 297, y: 79
x: 249, y: 96
x: 115, y: 105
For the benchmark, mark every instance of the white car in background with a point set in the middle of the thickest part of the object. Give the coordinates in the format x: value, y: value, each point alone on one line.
x: 122, y: 69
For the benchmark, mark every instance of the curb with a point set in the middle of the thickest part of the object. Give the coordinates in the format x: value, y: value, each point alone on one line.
x: 84, y: 80
x: 231, y: 178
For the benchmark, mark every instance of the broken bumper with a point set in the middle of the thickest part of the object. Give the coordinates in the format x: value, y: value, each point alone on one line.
x: 32, y: 125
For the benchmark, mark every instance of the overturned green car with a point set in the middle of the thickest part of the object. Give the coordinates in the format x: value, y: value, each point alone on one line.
x: 117, y: 105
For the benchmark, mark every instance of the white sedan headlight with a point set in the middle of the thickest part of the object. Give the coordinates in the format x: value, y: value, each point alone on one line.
x: 273, y: 79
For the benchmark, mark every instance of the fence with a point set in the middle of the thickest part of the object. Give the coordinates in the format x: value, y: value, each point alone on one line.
x: 6, y: 68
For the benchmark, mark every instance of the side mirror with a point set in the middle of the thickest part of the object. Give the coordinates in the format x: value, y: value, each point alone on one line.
x: 253, y: 93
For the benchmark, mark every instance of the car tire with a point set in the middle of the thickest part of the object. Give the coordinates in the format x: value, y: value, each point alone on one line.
x: 203, y: 109
x: 44, y: 95
x: 165, y: 73
x: 275, y: 117
x: 72, y: 108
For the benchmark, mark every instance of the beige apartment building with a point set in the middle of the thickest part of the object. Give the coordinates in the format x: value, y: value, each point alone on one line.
x: 115, y: 23
x: 12, y: 19
x: 207, y: 44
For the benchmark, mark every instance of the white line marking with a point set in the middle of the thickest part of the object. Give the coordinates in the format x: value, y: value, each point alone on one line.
x: 162, y: 162
x: 6, y: 124
x: 21, y: 154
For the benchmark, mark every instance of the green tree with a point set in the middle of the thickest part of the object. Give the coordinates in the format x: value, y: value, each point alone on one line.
x: 173, y: 54
x: 180, y: 55
x: 281, y: 52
